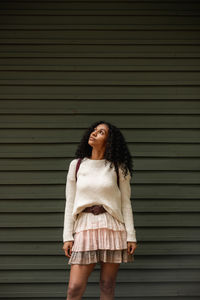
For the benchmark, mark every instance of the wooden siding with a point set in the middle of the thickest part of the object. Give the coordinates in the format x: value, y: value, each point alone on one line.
x: 63, y: 65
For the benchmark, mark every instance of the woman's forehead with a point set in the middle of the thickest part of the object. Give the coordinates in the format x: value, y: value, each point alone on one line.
x: 102, y: 126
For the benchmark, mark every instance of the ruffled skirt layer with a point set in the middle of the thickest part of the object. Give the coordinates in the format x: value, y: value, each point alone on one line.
x: 99, y: 238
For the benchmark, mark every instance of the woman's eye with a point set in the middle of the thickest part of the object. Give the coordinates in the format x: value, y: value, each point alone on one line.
x: 101, y: 131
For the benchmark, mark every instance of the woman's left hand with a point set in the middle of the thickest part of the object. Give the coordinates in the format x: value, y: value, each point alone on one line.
x: 131, y: 246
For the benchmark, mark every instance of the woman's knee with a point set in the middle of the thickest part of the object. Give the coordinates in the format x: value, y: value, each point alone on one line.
x: 75, y: 289
x: 107, y: 285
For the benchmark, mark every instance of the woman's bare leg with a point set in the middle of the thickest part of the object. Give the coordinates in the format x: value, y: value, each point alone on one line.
x: 108, y: 280
x: 79, y: 274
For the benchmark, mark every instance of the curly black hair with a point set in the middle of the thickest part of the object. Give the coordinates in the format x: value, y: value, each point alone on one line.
x: 116, y: 150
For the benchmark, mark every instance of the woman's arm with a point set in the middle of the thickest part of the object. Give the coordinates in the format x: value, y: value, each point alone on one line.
x: 127, y: 211
x: 70, y: 191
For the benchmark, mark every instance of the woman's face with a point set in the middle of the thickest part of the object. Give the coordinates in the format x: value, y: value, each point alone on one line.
x: 98, y: 136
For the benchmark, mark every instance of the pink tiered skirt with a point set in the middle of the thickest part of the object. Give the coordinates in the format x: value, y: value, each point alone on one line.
x: 99, y: 238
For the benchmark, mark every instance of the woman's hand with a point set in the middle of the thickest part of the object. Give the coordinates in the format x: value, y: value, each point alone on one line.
x: 131, y: 246
x: 67, y: 247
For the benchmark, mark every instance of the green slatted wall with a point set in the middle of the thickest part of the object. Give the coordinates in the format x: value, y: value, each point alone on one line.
x: 64, y: 65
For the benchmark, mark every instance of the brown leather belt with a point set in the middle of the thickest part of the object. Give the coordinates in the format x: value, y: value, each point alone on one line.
x: 95, y: 209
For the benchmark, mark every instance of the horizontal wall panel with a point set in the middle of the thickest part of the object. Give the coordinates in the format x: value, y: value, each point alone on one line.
x: 139, y: 205
x: 82, y: 5
x: 140, y: 191
x: 63, y: 65
x: 100, y: 19
x: 108, y: 41
x: 164, y: 107
x: 168, y: 238
x: 107, y: 92
x: 58, y: 289
x: 46, y: 136
x: 153, y: 247
x: 100, y: 64
x: 142, y: 262
x: 85, y: 49
x: 140, y: 163
x: 148, y: 177
x: 149, y: 36
x: 170, y: 53
x: 74, y: 121
x: 140, y: 149
x: 102, y: 78
x: 89, y: 8
x: 141, y: 219
x: 124, y: 276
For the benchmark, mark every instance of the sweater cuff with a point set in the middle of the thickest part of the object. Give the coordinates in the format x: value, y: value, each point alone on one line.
x: 131, y: 237
x: 68, y: 237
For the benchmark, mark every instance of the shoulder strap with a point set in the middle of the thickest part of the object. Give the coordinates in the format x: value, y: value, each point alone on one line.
x: 117, y: 175
x: 78, y: 165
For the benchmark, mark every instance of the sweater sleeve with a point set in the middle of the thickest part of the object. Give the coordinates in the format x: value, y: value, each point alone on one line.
x: 70, y: 191
x: 127, y: 211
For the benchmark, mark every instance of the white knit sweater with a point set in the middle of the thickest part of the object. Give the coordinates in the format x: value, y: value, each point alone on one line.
x: 97, y: 185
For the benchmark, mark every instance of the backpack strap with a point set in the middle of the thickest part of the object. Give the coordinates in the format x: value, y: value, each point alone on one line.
x: 78, y: 165
x: 117, y: 176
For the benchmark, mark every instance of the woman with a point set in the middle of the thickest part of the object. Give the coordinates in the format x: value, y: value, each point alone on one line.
x: 98, y: 222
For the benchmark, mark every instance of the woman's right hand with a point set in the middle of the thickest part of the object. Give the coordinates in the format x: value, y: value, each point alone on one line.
x: 67, y: 247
